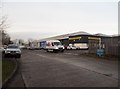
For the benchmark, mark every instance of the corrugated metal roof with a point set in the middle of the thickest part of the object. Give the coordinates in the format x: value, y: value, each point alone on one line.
x: 73, y: 34
x: 80, y: 33
x: 116, y: 35
x: 103, y: 35
x: 65, y: 36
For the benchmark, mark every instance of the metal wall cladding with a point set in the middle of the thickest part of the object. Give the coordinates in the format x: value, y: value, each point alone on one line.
x: 78, y: 39
x: 112, y: 46
x: 65, y: 41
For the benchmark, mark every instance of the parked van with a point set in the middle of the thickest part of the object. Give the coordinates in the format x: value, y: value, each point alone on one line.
x: 42, y: 44
x: 34, y: 45
x: 54, y: 45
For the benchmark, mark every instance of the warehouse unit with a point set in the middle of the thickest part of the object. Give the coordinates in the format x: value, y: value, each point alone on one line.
x: 97, y: 42
x: 92, y: 42
x: 64, y: 41
x: 79, y: 39
x: 85, y: 40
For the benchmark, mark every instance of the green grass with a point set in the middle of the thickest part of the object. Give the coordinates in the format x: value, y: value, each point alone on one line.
x: 7, y: 68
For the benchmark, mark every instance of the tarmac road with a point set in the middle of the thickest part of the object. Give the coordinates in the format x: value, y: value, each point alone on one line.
x: 43, y: 69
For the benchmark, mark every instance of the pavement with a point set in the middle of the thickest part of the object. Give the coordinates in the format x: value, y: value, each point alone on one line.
x: 46, y: 69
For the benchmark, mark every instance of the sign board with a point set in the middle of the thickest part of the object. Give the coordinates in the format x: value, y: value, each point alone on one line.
x: 75, y: 38
x: 100, y: 52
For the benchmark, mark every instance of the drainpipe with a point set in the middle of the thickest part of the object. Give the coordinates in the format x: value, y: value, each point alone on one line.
x: 99, y: 43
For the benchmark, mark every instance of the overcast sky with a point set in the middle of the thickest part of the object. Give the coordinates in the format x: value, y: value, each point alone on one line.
x: 39, y: 20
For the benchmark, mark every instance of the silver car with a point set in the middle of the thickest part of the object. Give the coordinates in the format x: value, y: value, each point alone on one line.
x: 13, y: 50
x: 2, y: 50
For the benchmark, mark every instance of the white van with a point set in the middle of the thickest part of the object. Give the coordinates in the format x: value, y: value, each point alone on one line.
x: 54, y: 45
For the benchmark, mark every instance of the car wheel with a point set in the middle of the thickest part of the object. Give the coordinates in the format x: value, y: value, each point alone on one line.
x: 18, y: 56
x: 62, y: 50
x: 47, y: 50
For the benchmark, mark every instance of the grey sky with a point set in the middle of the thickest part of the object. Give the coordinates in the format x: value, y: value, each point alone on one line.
x: 45, y: 19
x: 60, y: 0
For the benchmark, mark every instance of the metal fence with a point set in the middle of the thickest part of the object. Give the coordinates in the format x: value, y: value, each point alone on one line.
x: 111, y: 46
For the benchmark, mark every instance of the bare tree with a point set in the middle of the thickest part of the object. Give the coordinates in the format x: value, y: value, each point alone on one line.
x: 3, y: 25
x: 5, y: 38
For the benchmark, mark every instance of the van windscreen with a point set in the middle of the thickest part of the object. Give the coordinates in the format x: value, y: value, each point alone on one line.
x: 57, y: 43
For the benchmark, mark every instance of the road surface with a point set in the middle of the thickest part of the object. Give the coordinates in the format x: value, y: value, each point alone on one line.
x: 46, y: 69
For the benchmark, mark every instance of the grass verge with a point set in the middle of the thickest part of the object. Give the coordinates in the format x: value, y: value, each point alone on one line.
x: 7, y: 68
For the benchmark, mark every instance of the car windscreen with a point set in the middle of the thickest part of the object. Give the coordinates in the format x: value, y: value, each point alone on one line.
x: 57, y: 43
x: 15, y: 47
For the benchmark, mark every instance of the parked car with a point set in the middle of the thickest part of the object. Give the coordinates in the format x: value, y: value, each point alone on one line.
x: 71, y: 47
x: 22, y: 47
x: 28, y: 47
x: 13, y: 50
x: 65, y: 46
x: 2, y: 50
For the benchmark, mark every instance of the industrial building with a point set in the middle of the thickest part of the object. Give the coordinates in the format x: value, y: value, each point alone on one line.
x: 81, y: 39
x: 63, y: 38
x: 92, y: 41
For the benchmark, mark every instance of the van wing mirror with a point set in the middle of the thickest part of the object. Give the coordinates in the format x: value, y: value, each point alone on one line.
x: 52, y: 44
